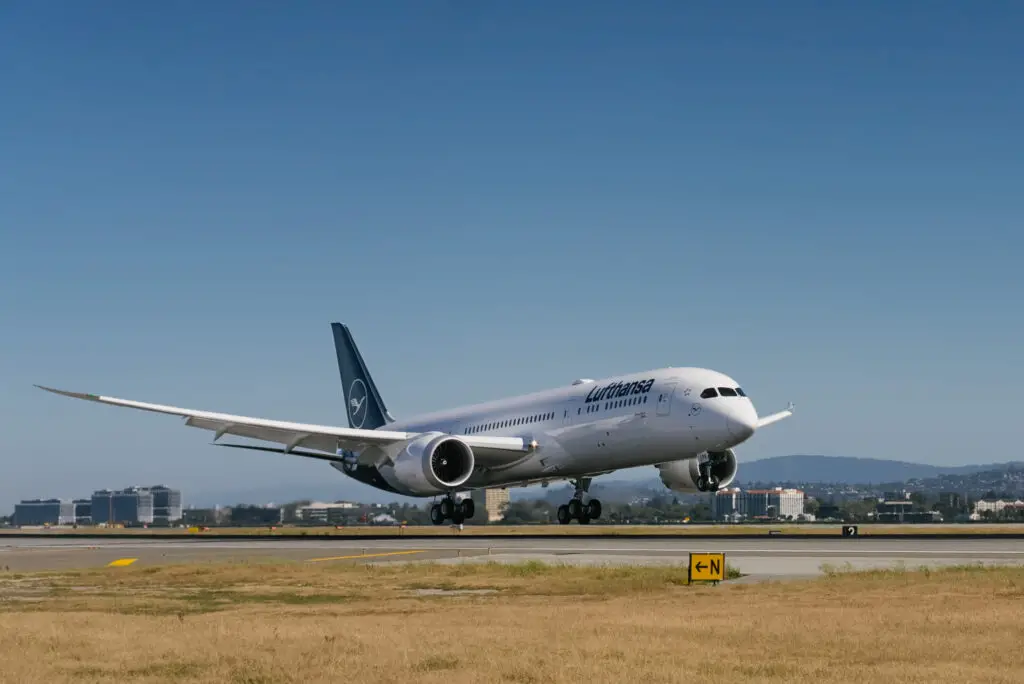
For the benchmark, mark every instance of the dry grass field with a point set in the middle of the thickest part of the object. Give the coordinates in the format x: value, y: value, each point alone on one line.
x: 263, y: 623
x: 831, y: 530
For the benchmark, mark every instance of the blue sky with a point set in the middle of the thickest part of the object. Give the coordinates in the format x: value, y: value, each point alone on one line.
x: 822, y: 200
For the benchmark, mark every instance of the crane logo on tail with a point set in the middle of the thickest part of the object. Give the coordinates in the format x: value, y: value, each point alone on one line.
x: 357, y: 403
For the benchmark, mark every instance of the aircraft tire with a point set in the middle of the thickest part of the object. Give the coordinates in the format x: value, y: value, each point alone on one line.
x: 593, y: 509
x: 436, y: 516
x: 467, y: 508
x: 563, y: 515
x: 575, y: 509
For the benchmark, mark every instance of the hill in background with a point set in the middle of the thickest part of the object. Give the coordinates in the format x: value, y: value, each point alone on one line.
x: 850, y: 470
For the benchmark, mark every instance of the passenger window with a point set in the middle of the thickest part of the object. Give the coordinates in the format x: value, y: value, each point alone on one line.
x: 709, y: 393
x: 727, y: 391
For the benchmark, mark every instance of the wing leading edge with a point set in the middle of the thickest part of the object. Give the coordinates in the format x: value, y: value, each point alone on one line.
x: 324, y: 438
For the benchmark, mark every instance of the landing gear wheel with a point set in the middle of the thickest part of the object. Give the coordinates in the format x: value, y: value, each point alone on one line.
x: 467, y: 508
x: 436, y: 516
x: 593, y: 509
x: 575, y: 509
x: 447, y: 509
x: 584, y: 519
x: 563, y: 515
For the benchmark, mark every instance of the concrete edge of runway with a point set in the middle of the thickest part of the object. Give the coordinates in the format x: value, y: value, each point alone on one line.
x: 805, y: 557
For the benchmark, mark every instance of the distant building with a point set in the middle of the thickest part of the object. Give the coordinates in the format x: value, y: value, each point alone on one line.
x: 255, y: 515
x: 897, y: 510
x: 44, y: 512
x: 491, y: 502
x: 996, y: 508
x: 775, y: 503
x: 166, y: 505
x: 83, y: 511
x: 131, y: 506
x: 770, y: 504
x: 728, y: 504
x: 326, y: 513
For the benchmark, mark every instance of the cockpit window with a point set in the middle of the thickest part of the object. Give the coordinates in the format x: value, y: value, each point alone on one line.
x: 727, y: 391
x: 739, y: 391
x: 709, y: 393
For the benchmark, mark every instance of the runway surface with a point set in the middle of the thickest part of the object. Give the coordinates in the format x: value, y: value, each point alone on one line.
x: 759, y: 559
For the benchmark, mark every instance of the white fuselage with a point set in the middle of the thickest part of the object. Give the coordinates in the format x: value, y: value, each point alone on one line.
x: 595, y: 426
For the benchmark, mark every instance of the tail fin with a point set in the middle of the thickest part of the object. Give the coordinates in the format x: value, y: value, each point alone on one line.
x: 363, y: 404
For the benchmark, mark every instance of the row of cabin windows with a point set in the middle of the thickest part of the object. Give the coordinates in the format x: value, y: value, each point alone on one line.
x: 711, y: 392
x: 619, y: 403
x: 510, y: 422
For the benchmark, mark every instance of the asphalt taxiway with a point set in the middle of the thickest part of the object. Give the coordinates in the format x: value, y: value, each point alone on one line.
x: 759, y: 559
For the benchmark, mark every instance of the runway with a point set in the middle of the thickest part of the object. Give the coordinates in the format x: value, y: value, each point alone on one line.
x: 758, y: 559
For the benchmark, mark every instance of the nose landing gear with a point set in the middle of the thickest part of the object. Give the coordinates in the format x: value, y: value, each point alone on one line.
x: 576, y: 509
x: 708, y: 481
x: 450, y: 509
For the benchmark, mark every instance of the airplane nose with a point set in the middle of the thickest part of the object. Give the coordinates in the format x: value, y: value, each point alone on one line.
x: 741, y: 422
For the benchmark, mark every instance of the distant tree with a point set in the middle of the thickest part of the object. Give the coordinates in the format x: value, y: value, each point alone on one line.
x: 527, y: 512
x: 410, y: 513
x: 854, y: 511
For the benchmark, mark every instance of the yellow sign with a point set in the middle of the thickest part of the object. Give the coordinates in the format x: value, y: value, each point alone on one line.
x: 707, y: 567
x: 121, y: 562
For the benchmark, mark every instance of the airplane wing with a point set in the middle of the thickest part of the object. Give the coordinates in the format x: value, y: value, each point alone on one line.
x: 490, y: 451
x: 775, y: 417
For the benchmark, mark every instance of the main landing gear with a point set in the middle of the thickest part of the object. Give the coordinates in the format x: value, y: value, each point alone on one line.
x: 450, y: 509
x: 576, y: 509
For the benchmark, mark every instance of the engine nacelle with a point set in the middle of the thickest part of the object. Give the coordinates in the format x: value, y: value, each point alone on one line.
x: 683, y: 476
x: 430, y: 464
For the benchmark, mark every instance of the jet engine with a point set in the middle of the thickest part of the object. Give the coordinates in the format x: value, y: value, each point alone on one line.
x: 431, y: 464
x: 691, y: 475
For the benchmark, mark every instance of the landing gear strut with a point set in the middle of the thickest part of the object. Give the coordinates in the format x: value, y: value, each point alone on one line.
x: 708, y: 481
x: 576, y: 509
x: 450, y: 509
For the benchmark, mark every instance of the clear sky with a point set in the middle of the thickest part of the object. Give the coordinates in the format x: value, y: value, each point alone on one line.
x: 823, y: 200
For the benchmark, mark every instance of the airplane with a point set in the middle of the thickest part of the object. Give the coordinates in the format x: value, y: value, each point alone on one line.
x: 684, y: 421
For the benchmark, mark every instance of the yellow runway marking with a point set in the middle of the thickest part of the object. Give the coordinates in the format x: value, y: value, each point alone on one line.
x: 366, y: 555
x: 121, y: 562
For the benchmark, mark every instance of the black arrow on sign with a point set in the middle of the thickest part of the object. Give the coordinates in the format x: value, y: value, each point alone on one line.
x: 699, y: 566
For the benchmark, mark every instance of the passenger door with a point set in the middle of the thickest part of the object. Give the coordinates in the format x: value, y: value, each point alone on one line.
x: 665, y: 399
x: 570, y: 409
